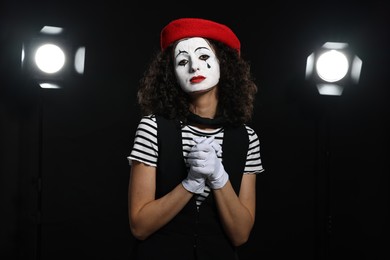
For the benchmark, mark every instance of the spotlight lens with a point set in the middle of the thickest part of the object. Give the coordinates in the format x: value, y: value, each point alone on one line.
x: 332, y: 66
x: 49, y: 58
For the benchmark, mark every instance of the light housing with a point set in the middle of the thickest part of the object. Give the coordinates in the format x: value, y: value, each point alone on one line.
x: 333, y: 67
x: 50, y: 58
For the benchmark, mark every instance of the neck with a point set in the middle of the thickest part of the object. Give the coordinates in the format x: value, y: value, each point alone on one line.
x: 206, y: 123
x: 204, y: 104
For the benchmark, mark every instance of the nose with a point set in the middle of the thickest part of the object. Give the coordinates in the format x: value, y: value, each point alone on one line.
x: 194, y: 66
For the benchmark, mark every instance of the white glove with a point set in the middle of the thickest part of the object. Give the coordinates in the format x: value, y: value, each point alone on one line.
x: 195, y: 182
x: 203, y: 160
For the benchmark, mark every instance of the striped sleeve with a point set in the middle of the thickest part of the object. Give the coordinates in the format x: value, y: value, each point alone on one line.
x: 145, y: 148
x: 253, y: 160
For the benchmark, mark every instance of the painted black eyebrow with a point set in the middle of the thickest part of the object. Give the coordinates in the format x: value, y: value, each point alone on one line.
x: 201, y: 48
x: 180, y: 52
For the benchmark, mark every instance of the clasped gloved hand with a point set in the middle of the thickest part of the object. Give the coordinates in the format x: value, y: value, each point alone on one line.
x: 195, y: 182
x: 203, y: 160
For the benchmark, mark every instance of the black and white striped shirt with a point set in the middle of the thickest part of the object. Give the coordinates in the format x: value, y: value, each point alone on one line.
x: 145, y: 147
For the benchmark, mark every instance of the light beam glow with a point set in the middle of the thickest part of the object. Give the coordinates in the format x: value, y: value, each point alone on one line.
x: 49, y: 58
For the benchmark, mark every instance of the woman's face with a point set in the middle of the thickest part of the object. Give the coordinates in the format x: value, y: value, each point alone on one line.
x: 196, y: 65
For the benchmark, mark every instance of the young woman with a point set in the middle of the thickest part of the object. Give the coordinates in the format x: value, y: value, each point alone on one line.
x: 192, y: 190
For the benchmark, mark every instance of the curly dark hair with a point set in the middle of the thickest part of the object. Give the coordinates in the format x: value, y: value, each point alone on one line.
x: 159, y: 93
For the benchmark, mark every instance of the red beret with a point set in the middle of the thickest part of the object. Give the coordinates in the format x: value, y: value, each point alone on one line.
x: 197, y: 27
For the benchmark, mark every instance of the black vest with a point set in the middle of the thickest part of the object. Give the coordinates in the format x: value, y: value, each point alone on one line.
x: 192, y: 234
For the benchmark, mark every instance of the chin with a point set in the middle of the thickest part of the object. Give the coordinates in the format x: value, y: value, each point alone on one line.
x: 202, y: 91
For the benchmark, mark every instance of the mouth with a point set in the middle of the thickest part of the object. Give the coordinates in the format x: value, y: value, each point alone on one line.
x: 197, y: 79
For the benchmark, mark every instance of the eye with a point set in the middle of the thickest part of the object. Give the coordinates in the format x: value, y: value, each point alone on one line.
x: 182, y: 62
x: 204, y: 57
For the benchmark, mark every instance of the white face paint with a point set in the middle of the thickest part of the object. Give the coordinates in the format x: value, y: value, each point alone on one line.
x: 196, y: 65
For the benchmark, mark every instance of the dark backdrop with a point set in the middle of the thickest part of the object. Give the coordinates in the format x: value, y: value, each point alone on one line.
x: 63, y: 166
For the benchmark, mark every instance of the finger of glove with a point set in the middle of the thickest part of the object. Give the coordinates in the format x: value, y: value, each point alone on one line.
x: 207, y: 166
x: 199, y: 155
x: 216, y: 147
x: 209, y: 140
x: 199, y: 139
x: 202, y: 147
x: 214, y: 144
x: 196, y: 162
x: 200, y: 171
x: 204, y: 139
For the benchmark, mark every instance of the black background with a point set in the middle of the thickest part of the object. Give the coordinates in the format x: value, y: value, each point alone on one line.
x: 324, y: 194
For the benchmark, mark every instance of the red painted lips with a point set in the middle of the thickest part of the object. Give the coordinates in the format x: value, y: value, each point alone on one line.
x: 197, y: 79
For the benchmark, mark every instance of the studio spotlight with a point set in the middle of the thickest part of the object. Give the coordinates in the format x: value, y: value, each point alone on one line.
x: 333, y: 67
x: 50, y: 58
